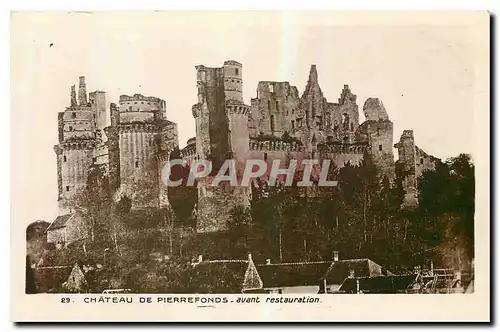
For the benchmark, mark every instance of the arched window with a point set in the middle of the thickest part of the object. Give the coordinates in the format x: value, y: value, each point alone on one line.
x: 272, y: 123
x: 70, y: 128
x: 269, y: 105
x: 277, y: 105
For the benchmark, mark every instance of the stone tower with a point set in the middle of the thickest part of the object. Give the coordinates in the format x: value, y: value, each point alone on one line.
x: 406, y: 168
x: 412, y: 163
x: 136, y: 138
x: 221, y: 133
x: 378, y: 129
x: 75, y: 150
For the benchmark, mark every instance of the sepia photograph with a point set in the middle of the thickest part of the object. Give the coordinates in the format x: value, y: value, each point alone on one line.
x: 285, y: 157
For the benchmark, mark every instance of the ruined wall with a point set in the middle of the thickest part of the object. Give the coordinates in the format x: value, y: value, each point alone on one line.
x: 113, y: 149
x: 101, y: 154
x: 341, y: 154
x: 275, y: 109
x: 169, y: 136
x: 406, y: 168
x: 221, y: 133
x: 342, y: 119
x: 98, y: 105
x: 380, y: 139
x: 210, y: 115
x: 424, y: 162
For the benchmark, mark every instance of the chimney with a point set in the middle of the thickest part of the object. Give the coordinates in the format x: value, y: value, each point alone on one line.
x: 200, y: 258
x: 73, y: 96
x: 268, y: 261
x: 82, y: 91
x: 335, y: 256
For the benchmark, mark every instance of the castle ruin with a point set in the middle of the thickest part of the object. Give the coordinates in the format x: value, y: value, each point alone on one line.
x: 133, y: 140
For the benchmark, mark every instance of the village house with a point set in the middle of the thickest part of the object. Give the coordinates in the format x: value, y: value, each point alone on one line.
x: 66, y: 229
x: 224, y: 276
x: 388, y: 284
x: 339, y: 271
x: 315, y: 277
x: 297, y: 277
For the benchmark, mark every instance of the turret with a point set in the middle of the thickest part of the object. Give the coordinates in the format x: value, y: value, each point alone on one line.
x: 233, y: 83
x: 73, y: 96
x: 82, y: 91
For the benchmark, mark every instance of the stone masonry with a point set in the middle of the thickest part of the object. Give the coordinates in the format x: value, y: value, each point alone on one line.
x: 134, y: 139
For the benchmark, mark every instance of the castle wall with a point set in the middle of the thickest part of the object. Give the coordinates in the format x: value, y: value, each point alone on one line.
x: 113, y: 149
x: 78, y: 123
x: 380, y: 139
x: 342, y: 118
x: 274, y: 111
x: 216, y: 205
x: 411, y: 164
x: 75, y: 160
x: 101, y: 154
x: 423, y: 162
x: 98, y: 104
x: 221, y: 133
x: 238, y: 132
x: 138, y: 168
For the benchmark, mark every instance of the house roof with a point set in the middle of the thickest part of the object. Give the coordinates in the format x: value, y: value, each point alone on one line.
x: 224, y: 276
x: 292, y: 274
x: 60, y: 221
x: 379, y: 284
x: 339, y: 271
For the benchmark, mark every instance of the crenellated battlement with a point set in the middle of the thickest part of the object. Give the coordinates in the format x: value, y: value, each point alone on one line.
x: 145, y: 127
x: 340, y: 148
x: 139, y: 97
x: 189, y: 152
x: 275, y: 145
x: 79, y: 144
x: 236, y: 107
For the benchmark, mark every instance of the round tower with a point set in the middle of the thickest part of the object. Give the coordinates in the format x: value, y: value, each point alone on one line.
x: 77, y: 140
x: 233, y: 82
x: 138, y: 133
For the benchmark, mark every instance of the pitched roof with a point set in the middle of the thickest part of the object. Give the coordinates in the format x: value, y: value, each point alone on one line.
x: 339, y: 271
x: 60, y: 221
x: 292, y: 274
x: 379, y: 284
x: 224, y: 276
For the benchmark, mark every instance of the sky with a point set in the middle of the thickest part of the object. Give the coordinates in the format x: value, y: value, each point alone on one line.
x: 423, y: 73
